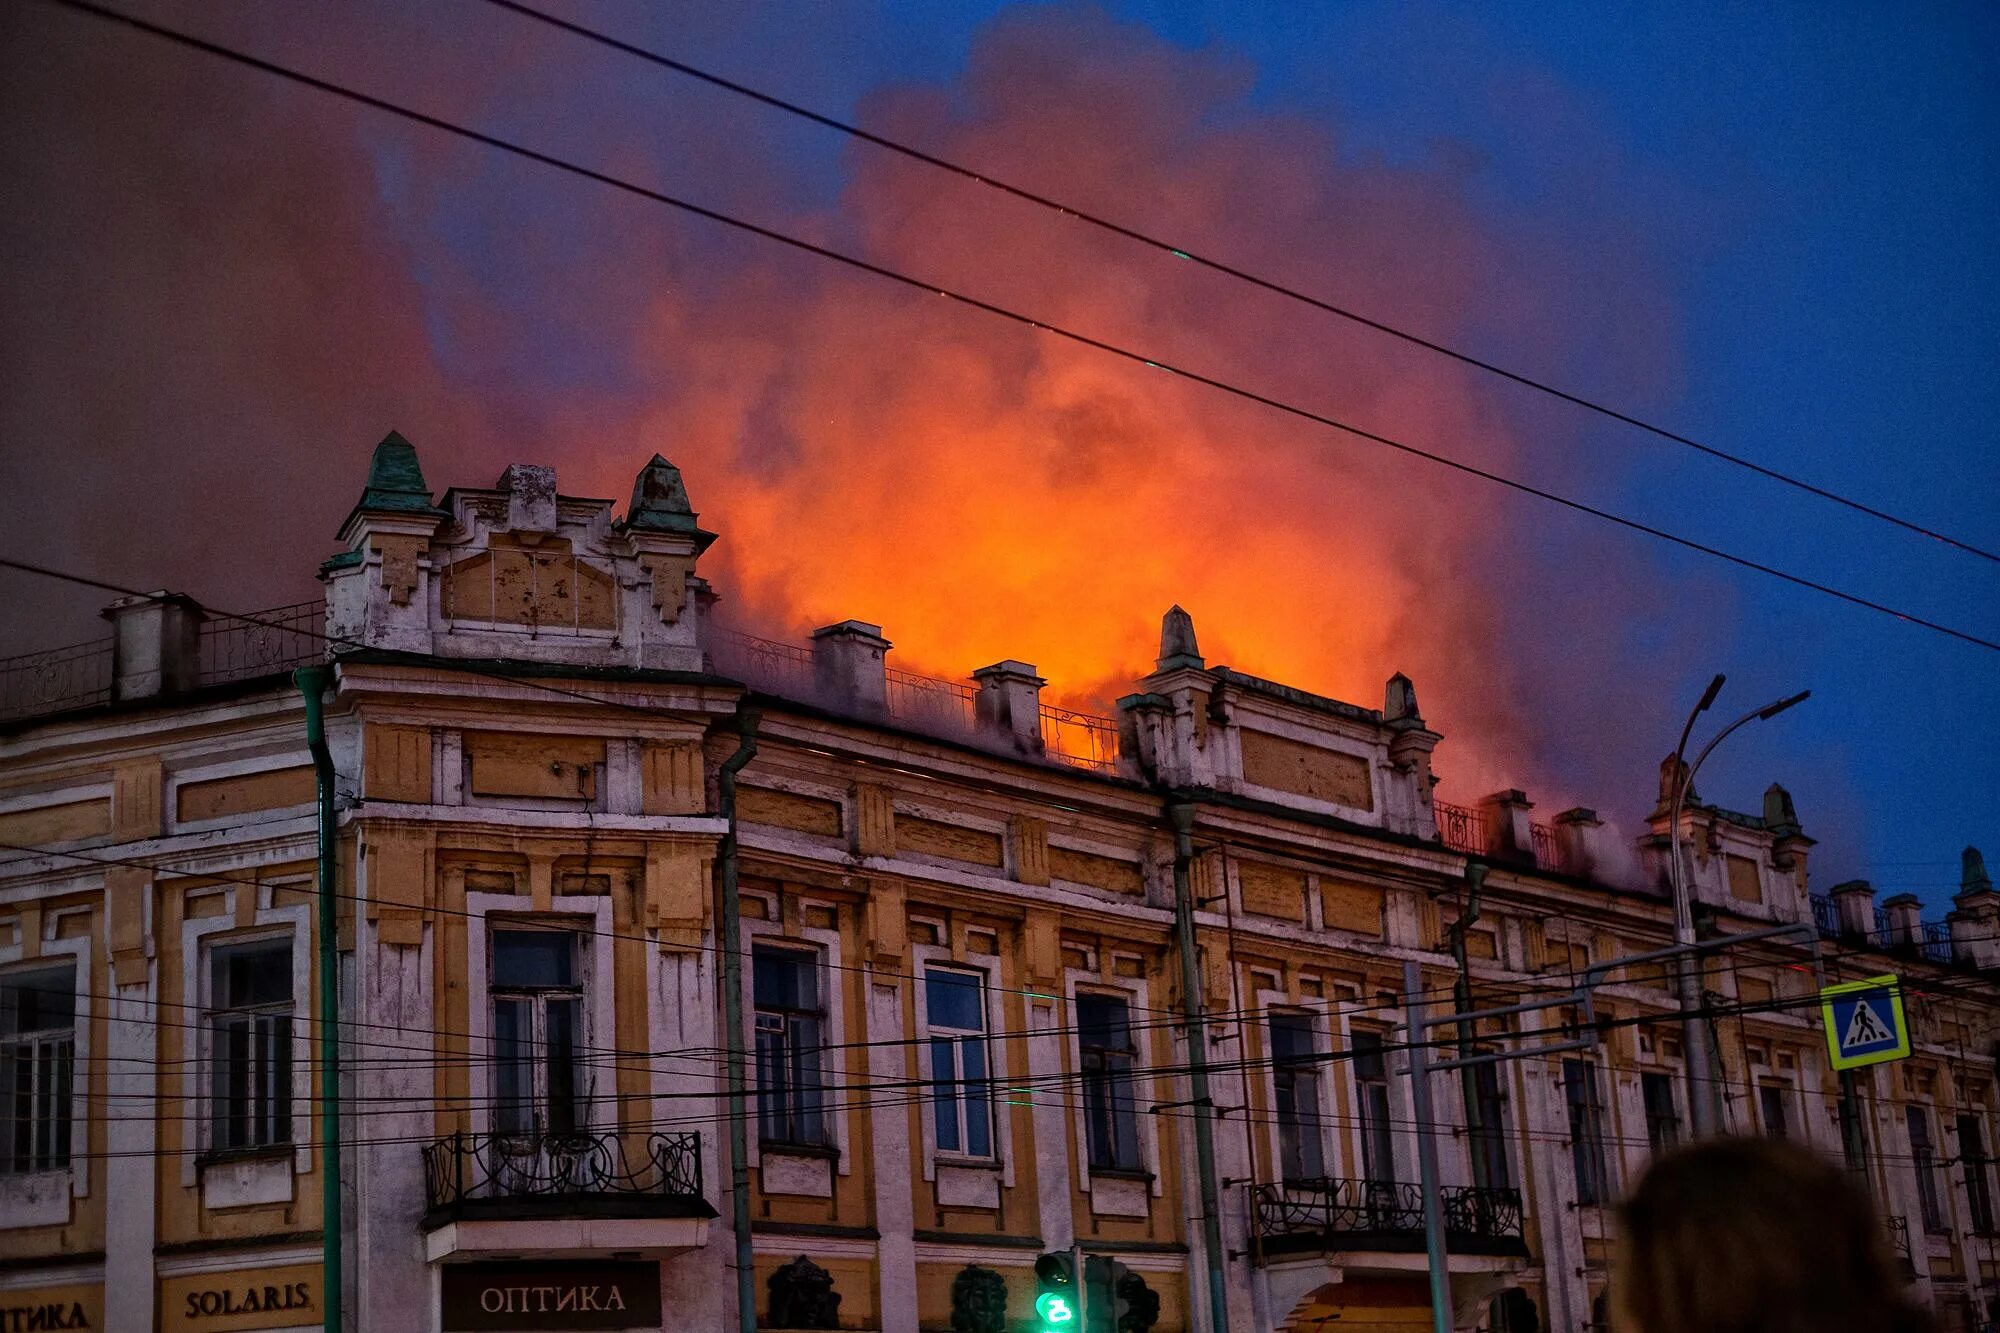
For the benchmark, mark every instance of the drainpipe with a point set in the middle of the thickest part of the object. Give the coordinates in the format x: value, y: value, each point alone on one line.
x: 313, y: 682
x: 1461, y: 989
x: 732, y: 1011
x: 1181, y: 815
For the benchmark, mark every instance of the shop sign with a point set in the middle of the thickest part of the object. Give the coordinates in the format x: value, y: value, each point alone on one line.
x: 556, y: 1295
x: 51, y: 1308
x: 257, y: 1298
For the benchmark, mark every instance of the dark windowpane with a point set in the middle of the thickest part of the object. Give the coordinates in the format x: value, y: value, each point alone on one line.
x: 1663, y: 1115
x: 1295, y: 1075
x: 1490, y: 1166
x: 250, y: 1044
x: 1923, y: 1160
x: 40, y: 1001
x: 953, y: 1001
x: 565, y: 1096
x: 790, y: 1101
x: 1978, y: 1182
x: 1586, y: 1132
x: 1104, y: 1040
x: 944, y: 1070
x: 513, y: 1069
x: 37, y: 1048
x: 978, y: 1099
x: 534, y: 959
x: 1371, y: 1082
x: 1771, y: 1107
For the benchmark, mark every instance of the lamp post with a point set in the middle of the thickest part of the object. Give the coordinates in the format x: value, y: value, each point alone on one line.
x: 1704, y: 1087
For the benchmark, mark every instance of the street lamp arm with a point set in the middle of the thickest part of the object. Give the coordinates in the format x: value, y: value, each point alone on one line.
x: 1765, y: 713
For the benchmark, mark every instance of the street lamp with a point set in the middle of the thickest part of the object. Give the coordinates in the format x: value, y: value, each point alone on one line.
x: 1705, y: 1091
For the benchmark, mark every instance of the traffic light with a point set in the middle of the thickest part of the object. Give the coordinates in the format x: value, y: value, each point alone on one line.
x: 1056, y: 1295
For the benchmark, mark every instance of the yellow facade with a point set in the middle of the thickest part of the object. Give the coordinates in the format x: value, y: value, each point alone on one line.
x: 964, y: 1009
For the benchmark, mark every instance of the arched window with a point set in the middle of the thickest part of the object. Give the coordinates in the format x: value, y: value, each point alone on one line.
x: 1513, y: 1311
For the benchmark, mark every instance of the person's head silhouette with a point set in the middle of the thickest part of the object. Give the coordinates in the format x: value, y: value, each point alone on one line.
x: 1755, y: 1236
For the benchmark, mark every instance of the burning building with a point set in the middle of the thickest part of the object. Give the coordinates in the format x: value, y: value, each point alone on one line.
x: 678, y: 969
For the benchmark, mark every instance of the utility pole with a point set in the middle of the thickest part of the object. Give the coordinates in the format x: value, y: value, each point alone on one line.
x: 1417, y: 1031
x: 1427, y: 1163
x: 1182, y: 816
x: 1704, y: 1073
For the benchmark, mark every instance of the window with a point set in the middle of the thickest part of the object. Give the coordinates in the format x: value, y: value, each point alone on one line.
x: 1978, y: 1183
x: 1923, y: 1159
x: 1371, y: 1086
x: 1104, y: 1041
x: 1295, y: 1066
x: 961, y: 1096
x: 37, y: 1053
x: 791, y: 1026
x: 1586, y: 1132
x: 1490, y: 1168
x: 537, y: 988
x: 1771, y: 1108
x: 250, y: 1045
x: 1663, y: 1112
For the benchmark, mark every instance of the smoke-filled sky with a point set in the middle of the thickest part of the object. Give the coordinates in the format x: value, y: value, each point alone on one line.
x: 1771, y: 227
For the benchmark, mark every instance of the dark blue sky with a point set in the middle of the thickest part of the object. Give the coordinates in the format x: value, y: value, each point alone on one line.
x: 1771, y: 227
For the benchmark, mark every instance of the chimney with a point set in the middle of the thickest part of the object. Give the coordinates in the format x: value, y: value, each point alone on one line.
x: 155, y: 645
x: 1905, y: 914
x: 1010, y: 702
x: 1507, y: 833
x: 1577, y: 840
x: 531, y: 497
x: 1854, y: 905
x: 849, y: 666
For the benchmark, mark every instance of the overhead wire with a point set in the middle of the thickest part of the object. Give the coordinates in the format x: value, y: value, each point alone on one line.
x: 889, y: 274
x: 1235, y: 271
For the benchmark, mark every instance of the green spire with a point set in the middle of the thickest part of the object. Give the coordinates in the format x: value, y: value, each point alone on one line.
x: 660, y: 504
x: 396, y: 478
x: 395, y: 482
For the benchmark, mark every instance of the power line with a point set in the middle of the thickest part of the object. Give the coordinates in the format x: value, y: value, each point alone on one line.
x: 1223, y: 267
x: 1003, y: 312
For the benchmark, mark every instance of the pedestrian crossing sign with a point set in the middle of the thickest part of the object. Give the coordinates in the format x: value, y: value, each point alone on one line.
x: 1864, y: 1022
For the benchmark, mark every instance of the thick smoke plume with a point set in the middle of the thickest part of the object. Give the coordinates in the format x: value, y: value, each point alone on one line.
x: 219, y: 293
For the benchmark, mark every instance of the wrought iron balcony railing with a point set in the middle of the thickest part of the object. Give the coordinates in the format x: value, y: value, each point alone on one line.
x: 1328, y: 1214
x: 601, y: 1173
x: 1899, y: 1237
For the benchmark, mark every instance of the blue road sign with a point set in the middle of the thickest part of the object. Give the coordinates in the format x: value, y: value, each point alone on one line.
x: 1864, y: 1022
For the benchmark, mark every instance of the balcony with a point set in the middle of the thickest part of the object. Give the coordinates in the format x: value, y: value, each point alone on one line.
x: 563, y: 1194
x: 1897, y: 1229
x: 1327, y: 1215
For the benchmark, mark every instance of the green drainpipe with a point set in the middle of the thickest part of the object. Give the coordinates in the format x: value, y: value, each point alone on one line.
x: 732, y: 1017
x: 313, y: 682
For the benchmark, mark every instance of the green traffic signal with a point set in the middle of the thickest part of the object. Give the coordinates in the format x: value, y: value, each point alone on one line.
x: 1054, y: 1309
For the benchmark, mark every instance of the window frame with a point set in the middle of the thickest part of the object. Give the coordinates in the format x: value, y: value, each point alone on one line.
x: 931, y: 1033
x: 1374, y: 1128
x: 1975, y: 1157
x: 814, y: 960
x: 1774, y: 1107
x: 1495, y: 1134
x: 1924, y: 1167
x: 1590, y: 1163
x: 269, y: 1071
x: 1665, y: 1129
x: 1109, y: 1076
x: 51, y: 1158
x: 1298, y: 1079
x: 538, y: 1000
